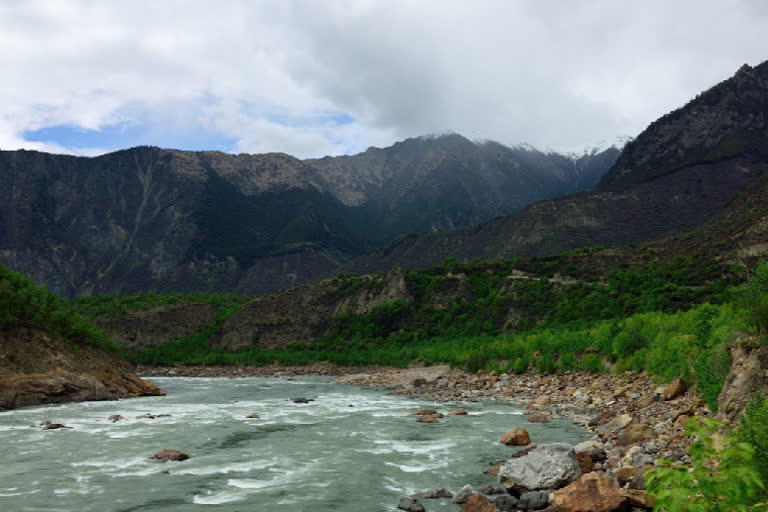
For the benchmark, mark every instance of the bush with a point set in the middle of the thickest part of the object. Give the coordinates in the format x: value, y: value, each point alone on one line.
x: 754, y: 430
x: 716, y: 480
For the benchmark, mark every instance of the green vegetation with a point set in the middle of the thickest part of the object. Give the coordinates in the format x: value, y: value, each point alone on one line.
x: 26, y: 305
x: 754, y: 431
x: 718, y: 479
x: 98, y: 305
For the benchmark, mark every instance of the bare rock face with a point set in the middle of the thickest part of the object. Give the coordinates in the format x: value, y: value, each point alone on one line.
x: 748, y: 375
x: 547, y: 467
x: 593, y: 492
x: 516, y: 437
x: 166, y: 455
x: 39, y: 369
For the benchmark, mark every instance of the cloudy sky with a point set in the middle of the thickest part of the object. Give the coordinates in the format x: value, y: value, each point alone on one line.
x: 319, y: 77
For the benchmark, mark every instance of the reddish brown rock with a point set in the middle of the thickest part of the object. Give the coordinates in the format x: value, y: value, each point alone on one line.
x: 166, y: 455
x: 676, y: 388
x: 422, y: 412
x: 638, y: 498
x: 493, y: 470
x: 458, y: 412
x: 478, y: 503
x: 538, y: 417
x: 427, y: 418
x: 115, y: 418
x: 53, y: 426
x: 593, y: 492
x: 523, y: 451
x: 634, y: 434
x: 516, y: 437
x: 585, y: 462
x: 625, y: 474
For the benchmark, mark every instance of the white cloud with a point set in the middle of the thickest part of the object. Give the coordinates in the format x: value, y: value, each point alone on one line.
x: 268, y: 73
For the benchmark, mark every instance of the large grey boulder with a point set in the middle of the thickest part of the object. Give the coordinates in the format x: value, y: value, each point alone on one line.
x: 548, y: 467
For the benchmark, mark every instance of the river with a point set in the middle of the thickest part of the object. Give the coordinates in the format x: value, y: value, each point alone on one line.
x: 351, y: 449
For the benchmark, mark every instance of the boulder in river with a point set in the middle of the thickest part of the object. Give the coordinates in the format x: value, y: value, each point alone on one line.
x: 53, y: 426
x: 458, y: 412
x: 434, y: 494
x: 166, y: 455
x: 538, y: 417
x: 411, y: 505
x: 426, y: 412
x: 427, y: 418
x: 516, y: 437
x: 253, y: 415
x: 548, y: 467
x: 302, y: 400
x: 115, y: 418
x: 463, y: 495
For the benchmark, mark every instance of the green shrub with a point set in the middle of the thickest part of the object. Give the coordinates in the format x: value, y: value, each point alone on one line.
x: 714, y: 481
x: 754, y: 430
x: 592, y: 363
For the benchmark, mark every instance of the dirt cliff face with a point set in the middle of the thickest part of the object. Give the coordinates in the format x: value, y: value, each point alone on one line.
x: 38, y: 369
x: 749, y: 375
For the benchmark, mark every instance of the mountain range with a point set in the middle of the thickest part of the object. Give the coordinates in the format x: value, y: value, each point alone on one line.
x: 147, y: 218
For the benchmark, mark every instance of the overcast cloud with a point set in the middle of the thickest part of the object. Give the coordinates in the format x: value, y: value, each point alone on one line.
x: 327, y: 77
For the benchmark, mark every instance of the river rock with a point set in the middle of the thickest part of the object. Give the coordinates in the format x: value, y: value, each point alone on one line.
x: 637, y: 457
x: 53, y: 426
x: 615, y: 425
x: 434, y: 494
x: 635, y: 434
x: 516, y: 437
x: 676, y: 388
x: 411, y: 505
x: 593, y: 492
x: 427, y: 418
x: 166, y: 455
x: 585, y: 462
x: 115, y: 418
x: 463, y: 495
x: 638, y: 498
x: 538, y: 417
x: 533, y: 500
x: 253, y: 415
x: 547, y: 467
x: 478, y: 503
x: 505, y: 502
x: 426, y: 412
x: 458, y: 412
x: 302, y: 400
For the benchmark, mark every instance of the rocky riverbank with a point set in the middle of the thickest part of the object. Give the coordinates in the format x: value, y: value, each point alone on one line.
x: 633, y: 422
x: 273, y: 370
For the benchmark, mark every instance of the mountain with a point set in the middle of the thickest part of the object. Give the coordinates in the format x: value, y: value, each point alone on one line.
x: 682, y: 171
x: 157, y: 219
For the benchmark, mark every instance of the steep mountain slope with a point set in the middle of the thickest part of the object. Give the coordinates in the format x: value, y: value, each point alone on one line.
x: 155, y: 219
x: 716, y: 153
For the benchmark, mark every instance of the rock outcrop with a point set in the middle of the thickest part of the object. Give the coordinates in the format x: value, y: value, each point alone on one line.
x: 547, y: 467
x: 748, y: 375
x: 36, y: 368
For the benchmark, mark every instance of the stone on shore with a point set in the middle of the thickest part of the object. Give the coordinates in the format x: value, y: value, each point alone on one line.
x: 638, y: 498
x: 166, y: 455
x: 516, y: 437
x: 478, y: 503
x: 616, y: 425
x: 634, y: 434
x: 411, y: 505
x: 533, y: 500
x: 548, y: 467
x: 505, y: 502
x: 434, y: 494
x: 593, y: 492
x: 463, y: 495
x: 676, y: 388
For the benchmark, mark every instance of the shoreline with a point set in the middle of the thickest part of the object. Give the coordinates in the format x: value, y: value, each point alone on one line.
x: 591, y: 401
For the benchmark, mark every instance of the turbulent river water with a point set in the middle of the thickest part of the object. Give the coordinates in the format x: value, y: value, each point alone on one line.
x: 351, y: 449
